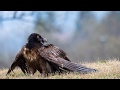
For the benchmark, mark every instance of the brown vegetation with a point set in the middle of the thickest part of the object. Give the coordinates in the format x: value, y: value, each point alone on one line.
x: 108, y: 69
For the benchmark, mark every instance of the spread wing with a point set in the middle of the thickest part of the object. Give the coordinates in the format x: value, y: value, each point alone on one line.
x: 20, y: 62
x: 52, y: 54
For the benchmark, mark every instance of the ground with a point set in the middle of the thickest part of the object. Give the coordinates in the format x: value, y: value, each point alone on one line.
x: 107, y: 69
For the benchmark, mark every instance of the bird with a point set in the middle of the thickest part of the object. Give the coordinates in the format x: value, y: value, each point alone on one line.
x: 46, y: 58
x: 33, y: 59
x: 22, y: 61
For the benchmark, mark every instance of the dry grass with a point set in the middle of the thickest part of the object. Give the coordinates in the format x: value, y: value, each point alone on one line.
x: 108, y: 69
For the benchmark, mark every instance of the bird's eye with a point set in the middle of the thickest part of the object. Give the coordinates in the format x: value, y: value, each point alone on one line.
x: 38, y: 37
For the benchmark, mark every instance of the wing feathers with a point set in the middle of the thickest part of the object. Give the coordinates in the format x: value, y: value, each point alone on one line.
x: 70, y: 65
x: 51, y: 54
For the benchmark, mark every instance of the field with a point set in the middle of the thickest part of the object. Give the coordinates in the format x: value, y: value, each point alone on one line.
x: 107, y: 69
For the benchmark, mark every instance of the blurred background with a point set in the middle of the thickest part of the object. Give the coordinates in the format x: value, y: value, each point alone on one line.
x: 86, y: 36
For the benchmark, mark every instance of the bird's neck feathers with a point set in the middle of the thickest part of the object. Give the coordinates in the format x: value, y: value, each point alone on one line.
x: 31, y: 45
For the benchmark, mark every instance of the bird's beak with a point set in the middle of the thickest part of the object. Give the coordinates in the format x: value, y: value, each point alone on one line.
x: 45, y: 40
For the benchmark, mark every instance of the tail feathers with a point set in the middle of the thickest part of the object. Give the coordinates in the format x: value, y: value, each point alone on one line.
x: 72, y: 66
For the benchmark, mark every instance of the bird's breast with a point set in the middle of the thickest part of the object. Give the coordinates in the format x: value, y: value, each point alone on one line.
x: 30, y: 55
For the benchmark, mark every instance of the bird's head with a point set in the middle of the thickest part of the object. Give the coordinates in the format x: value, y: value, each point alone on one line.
x: 36, y: 38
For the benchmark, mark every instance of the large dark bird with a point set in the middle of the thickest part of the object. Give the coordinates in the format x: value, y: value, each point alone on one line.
x: 52, y: 54
x: 47, y: 58
x: 29, y: 62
